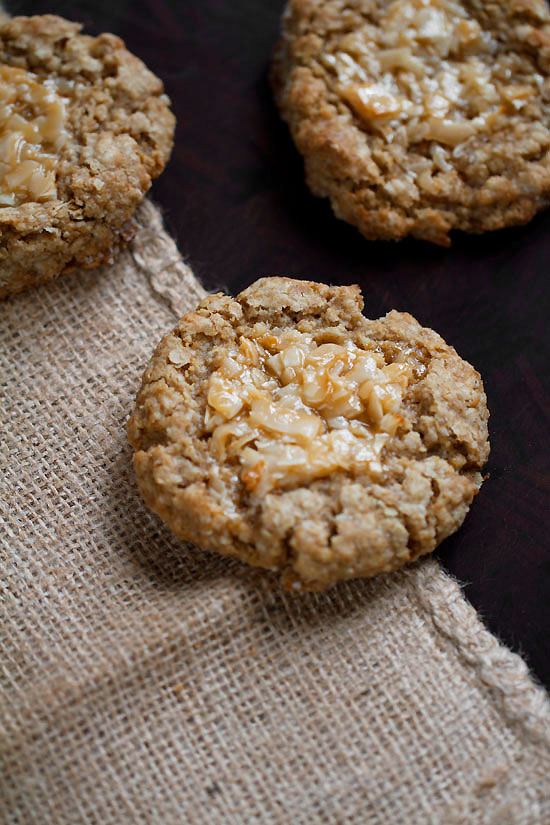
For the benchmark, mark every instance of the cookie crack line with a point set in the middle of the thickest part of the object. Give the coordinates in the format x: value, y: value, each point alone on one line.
x: 283, y: 418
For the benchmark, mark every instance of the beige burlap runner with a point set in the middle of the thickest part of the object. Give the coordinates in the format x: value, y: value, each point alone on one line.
x: 144, y: 681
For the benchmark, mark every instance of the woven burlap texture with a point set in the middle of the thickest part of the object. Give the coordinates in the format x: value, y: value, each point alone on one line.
x: 145, y: 681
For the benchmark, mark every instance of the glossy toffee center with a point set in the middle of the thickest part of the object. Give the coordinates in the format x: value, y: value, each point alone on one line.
x: 428, y: 72
x: 292, y: 411
x: 32, y: 131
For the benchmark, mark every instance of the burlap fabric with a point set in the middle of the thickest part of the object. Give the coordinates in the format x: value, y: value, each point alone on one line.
x: 145, y: 681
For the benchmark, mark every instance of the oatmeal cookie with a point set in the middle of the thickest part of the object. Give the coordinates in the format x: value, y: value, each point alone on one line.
x: 284, y: 428
x: 416, y: 117
x: 84, y: 127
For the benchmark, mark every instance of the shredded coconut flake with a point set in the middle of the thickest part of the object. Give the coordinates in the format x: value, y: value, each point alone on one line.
x: 291, y: 410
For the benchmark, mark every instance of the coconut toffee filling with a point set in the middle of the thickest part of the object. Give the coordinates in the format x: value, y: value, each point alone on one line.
x: 32, y: 133
x: 427, y: 72
x: 290, y: 410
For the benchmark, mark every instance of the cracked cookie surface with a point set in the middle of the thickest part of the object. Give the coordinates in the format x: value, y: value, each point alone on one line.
x: 417, y: 117
x: 284, y: 428
x: 84, y: 128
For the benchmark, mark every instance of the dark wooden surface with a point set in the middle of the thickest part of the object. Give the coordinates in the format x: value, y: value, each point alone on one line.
x: 234, y: 197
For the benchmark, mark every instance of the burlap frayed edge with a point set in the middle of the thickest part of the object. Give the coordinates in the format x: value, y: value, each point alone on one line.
x: 518, y: 697
x: 157, y: 257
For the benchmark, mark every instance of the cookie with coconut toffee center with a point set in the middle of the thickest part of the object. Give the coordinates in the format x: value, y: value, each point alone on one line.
x: 84, y: 128
x: 284, y: 428
x: 417, y: 117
